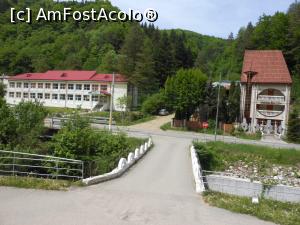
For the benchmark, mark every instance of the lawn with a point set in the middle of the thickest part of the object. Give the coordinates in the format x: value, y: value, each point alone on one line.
x: 58, y: 111
x: 283, y: 213
x: 37, y: 183
x: 125, y: 119
x: 251, y: 161
x: 257, y: 136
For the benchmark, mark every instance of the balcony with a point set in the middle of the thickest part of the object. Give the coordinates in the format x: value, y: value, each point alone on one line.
x: 269, y: 113
x: 271, y: 99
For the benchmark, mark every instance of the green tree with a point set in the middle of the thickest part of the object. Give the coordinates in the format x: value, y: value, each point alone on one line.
x: 130, y: 51
x: 185, y: 92
x: 293, y: 132
x: 110, y: 62
x: 233, y: 102
x: 7, y: 124
x: 154, y: 103
x: 2, y: 90
x: 30, y: 123
x: 144, y: 76
x: 75, y: 140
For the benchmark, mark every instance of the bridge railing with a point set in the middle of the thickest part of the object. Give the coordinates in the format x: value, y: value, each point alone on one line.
x: 27, y: 164
x: 57, y: 122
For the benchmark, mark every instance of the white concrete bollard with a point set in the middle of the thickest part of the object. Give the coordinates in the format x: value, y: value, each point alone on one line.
x: 136, y: 153
x: 146, y: 146
x: 149, y: 142
x: 142, y: 150
x: 122, y: 164
x: 130, y: 158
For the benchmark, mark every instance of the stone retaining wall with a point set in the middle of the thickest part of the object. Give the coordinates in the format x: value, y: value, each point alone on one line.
x: 244, y: 187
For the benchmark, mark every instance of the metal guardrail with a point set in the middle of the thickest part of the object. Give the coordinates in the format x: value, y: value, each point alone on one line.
x: 57, y: 122
x: 26, y: 164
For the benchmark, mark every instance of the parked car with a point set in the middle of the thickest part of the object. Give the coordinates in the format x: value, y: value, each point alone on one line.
x: 163, y: 112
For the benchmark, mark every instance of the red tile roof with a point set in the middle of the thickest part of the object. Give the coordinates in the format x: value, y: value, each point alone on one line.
x: 269, y: 66
x: 69, y: 75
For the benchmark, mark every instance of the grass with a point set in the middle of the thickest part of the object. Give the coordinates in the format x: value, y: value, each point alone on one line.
x: 59, y: 110
x: 37, y: 183
x: 127, y: 119
x: 283, y: 213
x: 225, y: 154
x: 256, y: 136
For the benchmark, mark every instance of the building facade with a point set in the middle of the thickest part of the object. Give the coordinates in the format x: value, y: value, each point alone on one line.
x: 70, y: 89
x: 265, y: 92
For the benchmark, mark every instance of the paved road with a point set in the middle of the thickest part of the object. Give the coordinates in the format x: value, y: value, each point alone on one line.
x: 159, y: 190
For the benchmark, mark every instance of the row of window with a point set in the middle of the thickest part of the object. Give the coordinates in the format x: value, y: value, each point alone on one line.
x: 95, y: 87
x: 53, y: 96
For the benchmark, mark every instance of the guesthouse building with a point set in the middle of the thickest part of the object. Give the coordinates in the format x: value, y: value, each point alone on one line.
x: 265, y: 92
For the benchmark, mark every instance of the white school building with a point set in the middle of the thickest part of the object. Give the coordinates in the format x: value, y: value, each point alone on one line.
x: 70, y: 89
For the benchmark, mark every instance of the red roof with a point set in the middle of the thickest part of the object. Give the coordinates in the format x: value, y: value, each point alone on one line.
x: 268, y: 66
x: 69, y: 75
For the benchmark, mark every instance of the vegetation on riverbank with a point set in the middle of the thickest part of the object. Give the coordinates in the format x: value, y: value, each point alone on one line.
x: 37, y: 183
x: 283, y: 213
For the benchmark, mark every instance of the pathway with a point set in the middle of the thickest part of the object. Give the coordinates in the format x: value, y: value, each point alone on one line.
x: 158, y: 190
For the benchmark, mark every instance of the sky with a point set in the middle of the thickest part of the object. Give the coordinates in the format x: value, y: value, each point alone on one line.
x: 211, y: 17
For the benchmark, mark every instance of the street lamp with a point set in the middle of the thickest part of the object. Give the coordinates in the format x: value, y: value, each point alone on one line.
x: 111, y: 102
x: 218, y: 103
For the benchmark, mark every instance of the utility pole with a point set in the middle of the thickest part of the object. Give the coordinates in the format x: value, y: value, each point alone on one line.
x: 111, y: 102
x: 218, y: 103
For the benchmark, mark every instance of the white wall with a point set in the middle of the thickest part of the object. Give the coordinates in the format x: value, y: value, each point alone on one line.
x: 120, y: 90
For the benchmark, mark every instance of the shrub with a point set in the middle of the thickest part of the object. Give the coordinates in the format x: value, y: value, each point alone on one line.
x: 206, y: 156
x: 154, y: 103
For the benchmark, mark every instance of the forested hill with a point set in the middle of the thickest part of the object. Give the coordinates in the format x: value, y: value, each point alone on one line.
x: 142, y: 52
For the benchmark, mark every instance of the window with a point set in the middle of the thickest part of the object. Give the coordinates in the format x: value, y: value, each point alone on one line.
x: 87, y: 87
x: 70, y: 86
x: 47, y: 96
x: 12, y: 84
x: 78, y: 97
x: 70, y: 97
x: 32, y: 95
x: 95, y: 98
x: 55, y: 86
x: 26, y: 85
x: 55, y: 96
x: 40, y: 85
x: 95, y: 87
x: 62, y: 86
x: 103, y: 87
x: 40, y: 95
x: 86, y: 98
x: 25, y: 95
x: 19, y: 85
x: 62, y: 97
x: 78, y: 86
x: 33, y: 85
x: 47, y: 85
x: 11, y: 94
x: 18, y: 94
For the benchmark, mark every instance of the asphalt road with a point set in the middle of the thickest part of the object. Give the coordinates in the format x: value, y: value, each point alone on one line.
x: 158, y: 190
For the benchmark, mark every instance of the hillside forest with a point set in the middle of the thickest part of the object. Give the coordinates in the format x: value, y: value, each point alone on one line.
x: 142, y: 52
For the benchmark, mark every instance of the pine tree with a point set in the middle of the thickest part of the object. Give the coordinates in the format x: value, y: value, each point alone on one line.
x: 144, y: 75
x: 293, y: 132
x: 164, y: 59
x: 233, y: 103
x: 131, y: 49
